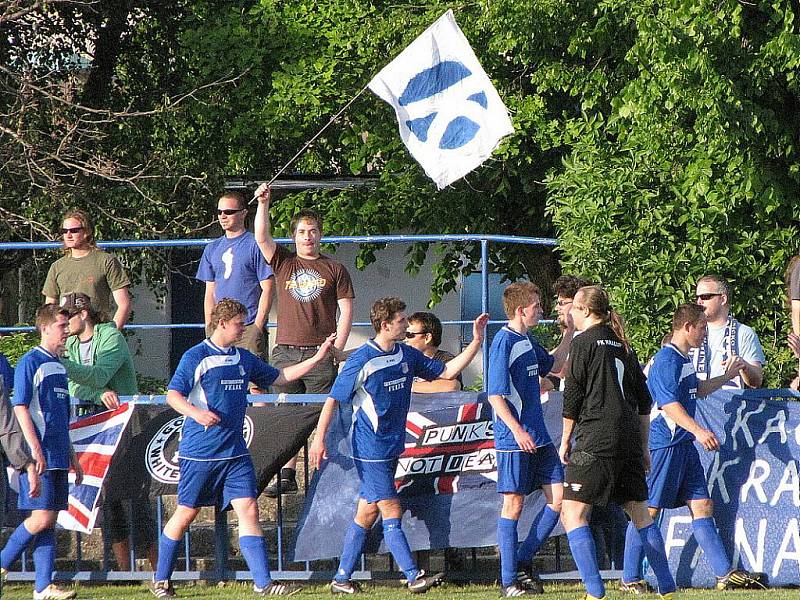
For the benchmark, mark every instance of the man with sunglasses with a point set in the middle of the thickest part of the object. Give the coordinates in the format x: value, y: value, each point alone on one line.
x: 232, y: 267
x: 726, y: 338
x: 424, y: 333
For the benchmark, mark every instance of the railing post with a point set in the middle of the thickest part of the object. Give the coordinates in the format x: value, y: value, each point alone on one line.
x: 485, y: 306
x: 221, y: 544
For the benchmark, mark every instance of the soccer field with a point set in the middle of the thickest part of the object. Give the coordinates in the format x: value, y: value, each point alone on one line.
x: 240, y: 591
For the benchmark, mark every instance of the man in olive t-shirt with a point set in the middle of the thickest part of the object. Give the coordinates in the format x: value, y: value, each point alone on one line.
x: 311, y: 287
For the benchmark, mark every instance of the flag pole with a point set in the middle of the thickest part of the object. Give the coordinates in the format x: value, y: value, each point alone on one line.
x: 313, y: 139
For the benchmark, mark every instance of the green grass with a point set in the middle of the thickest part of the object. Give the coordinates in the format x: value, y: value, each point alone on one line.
x: 243, y: 591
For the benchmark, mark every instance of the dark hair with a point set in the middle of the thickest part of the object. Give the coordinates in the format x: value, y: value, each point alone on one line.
x: 384, y: 310
x: 307, y: 214
x: 241, y: 201
x: 519, y: 294
x: 48, y: 314
x: 723, y: 287
x: 596, y: 299
x: 86, y: 222
x: 431, y: 323
x: 225, y: 310
x: 567, y: 286
x: 687, y: 313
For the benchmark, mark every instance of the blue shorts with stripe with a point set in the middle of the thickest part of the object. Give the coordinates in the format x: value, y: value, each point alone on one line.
x: 676, y: 475
x: 523, y: 472
x: 377, y: 479
x: 53, y: 491
x: 215, y: 482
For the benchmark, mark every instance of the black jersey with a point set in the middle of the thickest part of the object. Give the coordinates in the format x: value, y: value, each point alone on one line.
x: 604, y: 393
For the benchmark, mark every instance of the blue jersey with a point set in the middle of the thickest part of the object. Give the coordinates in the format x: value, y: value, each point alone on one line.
x: 40, y: 383
x: 215, y: 379
x: 7, y: 373
x: 672, y: 378
x: 237, y: 267
x: 515, y: 364
x: 378, y: 384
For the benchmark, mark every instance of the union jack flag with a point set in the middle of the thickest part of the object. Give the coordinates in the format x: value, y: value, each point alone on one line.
x: 448, y: 450
x: 95, y: 439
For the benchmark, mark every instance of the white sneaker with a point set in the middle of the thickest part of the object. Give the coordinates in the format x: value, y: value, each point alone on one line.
x: 51, y: 592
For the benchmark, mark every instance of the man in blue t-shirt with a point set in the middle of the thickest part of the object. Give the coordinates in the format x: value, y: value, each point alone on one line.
x: 377, y: 380
x: 41, y: 405
x: 7, y: 373
x: 232, y: 267
x: 676, y: 474
x: 526, y: 457
x: 209, y: 388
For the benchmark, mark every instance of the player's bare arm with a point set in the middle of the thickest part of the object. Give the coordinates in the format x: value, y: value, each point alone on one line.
x: 733, y: 367
x: 178, y: 402
x: 568, y: 426
x: 263, y: 228
x: 297, y: 371
x: 704, y: 437
x: 521, y: 436
x: 561, y: 352
x: 317, y: 451
x: 458, y: 363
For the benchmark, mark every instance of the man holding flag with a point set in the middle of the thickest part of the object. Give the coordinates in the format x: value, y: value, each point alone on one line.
x: 377, y: 380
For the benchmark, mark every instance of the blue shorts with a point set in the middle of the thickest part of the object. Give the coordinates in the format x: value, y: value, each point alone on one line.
x: 523, y: 472
x: 215, y: 482
x: 676, y: 475
x: 53, y: 491
x: 377, y: 479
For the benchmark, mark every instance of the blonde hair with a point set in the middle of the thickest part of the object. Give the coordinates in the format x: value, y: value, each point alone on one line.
x: 225, y: 310
x: 519, y: 294
x: 596, y: 300
x: 86, y: 222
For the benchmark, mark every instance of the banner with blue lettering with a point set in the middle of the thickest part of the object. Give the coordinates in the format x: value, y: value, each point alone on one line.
x: 446, y: 478
x: 753, y: 480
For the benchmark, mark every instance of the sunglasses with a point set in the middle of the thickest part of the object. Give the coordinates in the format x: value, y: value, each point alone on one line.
x: 707, y: 296
x: 411, y: 334
x: 229, y: 211
x: 66, y: 230
x: 563, y: 302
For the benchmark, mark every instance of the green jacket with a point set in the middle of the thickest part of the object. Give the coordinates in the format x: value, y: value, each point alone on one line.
x: 111, y: 366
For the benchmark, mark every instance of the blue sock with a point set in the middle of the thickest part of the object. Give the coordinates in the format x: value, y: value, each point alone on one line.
x: 654, y: 550
x: 15, y: 545
x: 541, y: 527
x: 44, y: 558
x: 254, y: 550
x: 167, y: 551
x: 705, y: 532
x: 507, y: 545
x: 581, y: 544
x: 353, y: 545
x: 398, y: 546
x: 634, y: 552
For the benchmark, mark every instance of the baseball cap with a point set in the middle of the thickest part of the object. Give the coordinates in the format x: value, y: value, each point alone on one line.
x: 75, y: 302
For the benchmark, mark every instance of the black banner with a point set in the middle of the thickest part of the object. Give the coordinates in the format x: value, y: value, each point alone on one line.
x: 146, y: 461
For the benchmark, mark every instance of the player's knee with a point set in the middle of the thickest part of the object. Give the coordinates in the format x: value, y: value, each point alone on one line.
x: 512, y: 506
x: 702, y: 508
x: 41, y: 520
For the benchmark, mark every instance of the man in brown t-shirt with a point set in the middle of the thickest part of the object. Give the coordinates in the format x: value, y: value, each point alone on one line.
x: 311, y: 287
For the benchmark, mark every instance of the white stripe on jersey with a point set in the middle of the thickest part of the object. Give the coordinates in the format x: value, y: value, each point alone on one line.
x: 687, y: 370
x: 362, y: 400
x: 197, y: 397
x: 518, y: 349
x: 35, y: 407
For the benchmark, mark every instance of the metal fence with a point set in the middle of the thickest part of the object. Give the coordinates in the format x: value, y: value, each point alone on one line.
x: 221, y: 571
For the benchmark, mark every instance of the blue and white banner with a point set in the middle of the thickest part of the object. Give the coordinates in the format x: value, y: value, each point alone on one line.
x: 446, y: 478
x: 753, y: 480
x: 451, y: 118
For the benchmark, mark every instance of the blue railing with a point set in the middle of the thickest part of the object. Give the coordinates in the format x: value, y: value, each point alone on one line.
x: 221, y: 570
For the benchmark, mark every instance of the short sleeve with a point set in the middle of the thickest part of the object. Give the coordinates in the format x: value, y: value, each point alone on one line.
x: 428, y: 368
x: 115, y: 275
x: 663, y: 382
x: 544, y: 358
x: 344, y: 385
x: 750, y: 347
x: 50, y: 288
x: 498, y: 374
x: 183, y: 379
x: 575, y: 381
x: 344, y: 285
x: 262, y: 374
x: 260, y: 266
x: 205, y: 270
x: 644, y: 400
x: 23, y: 383
x: 7, y: 372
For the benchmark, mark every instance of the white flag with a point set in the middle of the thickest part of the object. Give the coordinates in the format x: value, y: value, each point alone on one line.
x: 450, y: 116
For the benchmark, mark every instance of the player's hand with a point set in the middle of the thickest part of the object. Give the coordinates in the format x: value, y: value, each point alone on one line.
x: 206, y: 418
x: 38, y: 458
x: 524, y: 441
x: 563, y: 452
x: 707, y: 439
x: 326, y: 345
x: 646, y: 461
x: 110, y: 399
x: 78, y: 471
x: 479, y: 326
x: 34, y: 487
x: 263, y: 193
x: 793, y: 341
x: 733, y: 365
x: 317, y: 452
x: 569, y: 325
